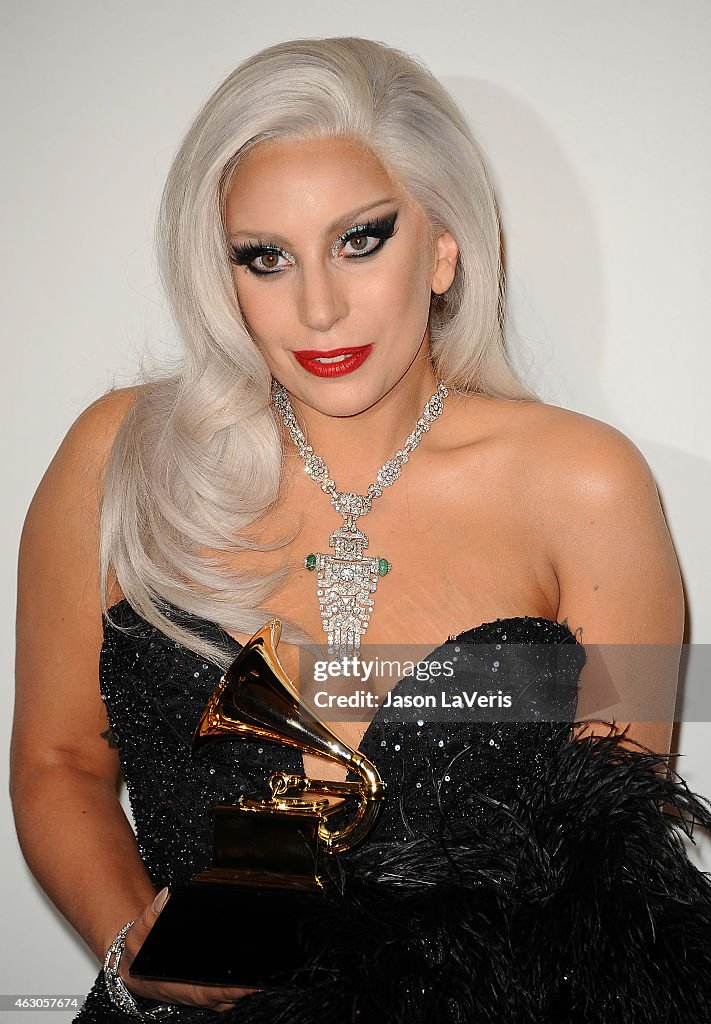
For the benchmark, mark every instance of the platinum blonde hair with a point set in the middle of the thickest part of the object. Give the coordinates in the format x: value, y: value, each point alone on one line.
x: 198, y: 459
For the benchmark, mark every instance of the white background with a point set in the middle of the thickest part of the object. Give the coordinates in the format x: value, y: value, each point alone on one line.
x: 594, y: 118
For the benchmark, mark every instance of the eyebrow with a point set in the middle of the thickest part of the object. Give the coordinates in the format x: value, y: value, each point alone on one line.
x: 338, y: 225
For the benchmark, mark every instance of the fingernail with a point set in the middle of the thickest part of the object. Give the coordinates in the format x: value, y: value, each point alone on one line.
x: 160, y: 900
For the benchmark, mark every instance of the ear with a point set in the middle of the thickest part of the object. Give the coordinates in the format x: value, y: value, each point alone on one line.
x: 446, y: 255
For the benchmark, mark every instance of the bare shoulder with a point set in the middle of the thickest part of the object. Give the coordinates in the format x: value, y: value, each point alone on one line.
x: 62, y: 521
x: 95, y: 428
x: 600, y: 520
x: 551, y: 450
x: 588, y: 460
x: 580, y: 477
x: 82, y: 454
x: 590, y: 506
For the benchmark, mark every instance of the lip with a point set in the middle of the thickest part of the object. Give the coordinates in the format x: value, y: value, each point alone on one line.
x: 313, y: 353
x: 357, y: 356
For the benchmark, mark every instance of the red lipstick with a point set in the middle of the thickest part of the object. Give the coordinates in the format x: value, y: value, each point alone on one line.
x: 353, y: 357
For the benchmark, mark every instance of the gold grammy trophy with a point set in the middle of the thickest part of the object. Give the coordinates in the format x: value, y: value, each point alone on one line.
x: 245, y: 920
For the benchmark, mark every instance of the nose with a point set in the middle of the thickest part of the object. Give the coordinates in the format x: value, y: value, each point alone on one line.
x: 321, y: 301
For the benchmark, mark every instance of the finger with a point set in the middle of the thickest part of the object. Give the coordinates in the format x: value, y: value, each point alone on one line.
x: 229, y: 997
x: 145, y: 921
x: 208, y: 997
x: 159, y: 902
x: 216, y: 998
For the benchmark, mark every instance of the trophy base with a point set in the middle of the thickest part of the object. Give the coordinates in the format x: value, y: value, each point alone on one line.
x: 212, y: 934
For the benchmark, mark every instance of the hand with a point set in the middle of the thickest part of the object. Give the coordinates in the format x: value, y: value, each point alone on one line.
x: 210, y: 997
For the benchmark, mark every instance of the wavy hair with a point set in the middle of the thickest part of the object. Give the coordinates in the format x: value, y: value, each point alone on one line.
x: 199, y: 457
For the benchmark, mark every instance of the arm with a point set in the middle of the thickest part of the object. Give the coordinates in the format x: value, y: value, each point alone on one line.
x: 65, y: 775
x: 619, y: 580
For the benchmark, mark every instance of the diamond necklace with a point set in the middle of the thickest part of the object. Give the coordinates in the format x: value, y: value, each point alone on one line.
x: 347, y: 578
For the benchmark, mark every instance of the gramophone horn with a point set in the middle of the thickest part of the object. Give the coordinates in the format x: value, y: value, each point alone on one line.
x: 256, y: 699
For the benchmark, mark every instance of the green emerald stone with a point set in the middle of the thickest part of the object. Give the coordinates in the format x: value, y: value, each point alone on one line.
x: 383, y: 566
x: 310, y: 562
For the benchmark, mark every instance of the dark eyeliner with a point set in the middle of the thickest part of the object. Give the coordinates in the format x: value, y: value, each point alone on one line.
x: 246, y: 252
x: 381, y: 227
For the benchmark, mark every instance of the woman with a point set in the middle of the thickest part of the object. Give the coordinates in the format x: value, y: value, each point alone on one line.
x: 329, y: 243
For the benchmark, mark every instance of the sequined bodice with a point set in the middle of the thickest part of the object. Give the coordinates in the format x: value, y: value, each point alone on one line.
x: 155, y: 690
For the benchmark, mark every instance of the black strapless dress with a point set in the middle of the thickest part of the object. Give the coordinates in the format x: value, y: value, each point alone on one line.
x: 515, y: 874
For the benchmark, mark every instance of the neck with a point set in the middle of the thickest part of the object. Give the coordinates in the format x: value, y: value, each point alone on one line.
x: 355, y: 447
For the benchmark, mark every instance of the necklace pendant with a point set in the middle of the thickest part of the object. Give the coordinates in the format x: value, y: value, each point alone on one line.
x: 344, y: 585
x: 347, y: 578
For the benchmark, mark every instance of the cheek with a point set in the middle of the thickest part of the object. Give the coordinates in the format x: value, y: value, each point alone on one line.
x: 261, y: 313
x: 404, y: 295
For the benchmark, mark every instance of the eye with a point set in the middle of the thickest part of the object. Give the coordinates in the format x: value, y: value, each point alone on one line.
x: 362, y: 244
x: 267, y: 261
x: 259, y: 258
x: 365, y: 239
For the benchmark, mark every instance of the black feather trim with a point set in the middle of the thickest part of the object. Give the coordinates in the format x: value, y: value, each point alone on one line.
x: 572, y: 900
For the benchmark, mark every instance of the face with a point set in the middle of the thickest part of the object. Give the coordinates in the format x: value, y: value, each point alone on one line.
x: 329, y: 254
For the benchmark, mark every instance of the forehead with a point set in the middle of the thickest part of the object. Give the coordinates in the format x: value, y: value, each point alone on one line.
x: 293, y: 178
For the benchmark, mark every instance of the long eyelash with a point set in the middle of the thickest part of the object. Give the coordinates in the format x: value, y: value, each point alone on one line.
x: 244, y: 253
x: 382, y: 228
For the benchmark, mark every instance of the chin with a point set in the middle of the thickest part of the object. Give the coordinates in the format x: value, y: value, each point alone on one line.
x: 339, y: 397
